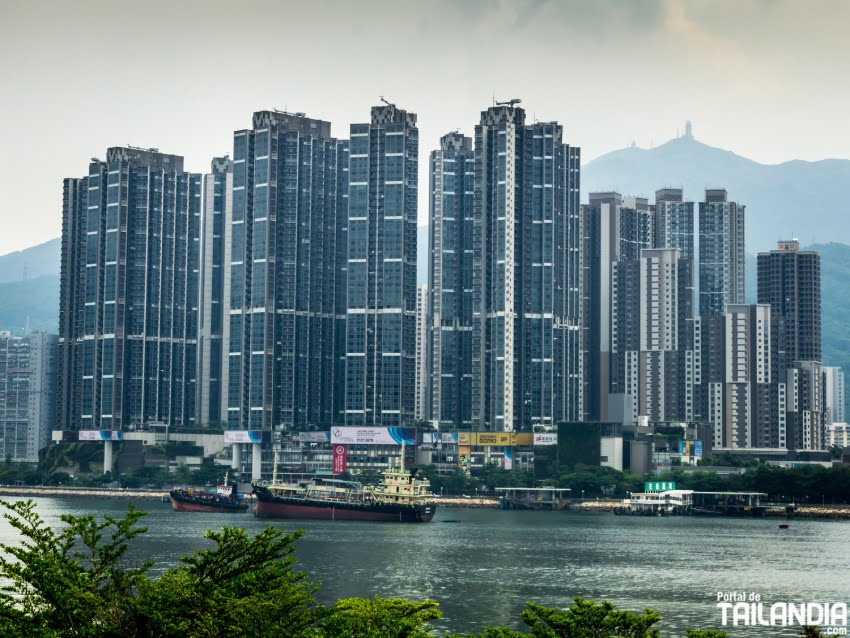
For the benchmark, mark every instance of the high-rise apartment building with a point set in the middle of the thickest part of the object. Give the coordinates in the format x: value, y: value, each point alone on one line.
x: 738, y: 399
x: 674, y: 222
x: 789, y: 280
x: 422, y: 379
x: 450, y: 278
x: 27, y: 394
x: 652, y: 336
x: 526, y: 274
x: 214, y: 307
x: 286, y: 261
x: 128, y: 316
x: 833, y: 395
x: 721, y: 253
x: 380, y: 357
x: 614, y: 228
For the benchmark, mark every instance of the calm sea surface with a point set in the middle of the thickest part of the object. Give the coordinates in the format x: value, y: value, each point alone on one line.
x: 484, y: 568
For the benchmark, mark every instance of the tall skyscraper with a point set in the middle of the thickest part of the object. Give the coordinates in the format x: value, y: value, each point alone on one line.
x: 651, y: 339
x: 218, y: 189
x: 789, y: 280
x: 674, y: 222
x: 614, y: 229
x: 833, y: 395
x: 739, y: 398
x: 128, y: 317
x: 450, y: 277
x: 285, y: 264
x: 526, y: 274
x: 422, y: 380
x: 27, y: 394
x: 381, y: 303
x: 721, y: 253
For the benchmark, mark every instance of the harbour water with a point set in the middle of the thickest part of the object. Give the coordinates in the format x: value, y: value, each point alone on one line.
x: 483, y: 568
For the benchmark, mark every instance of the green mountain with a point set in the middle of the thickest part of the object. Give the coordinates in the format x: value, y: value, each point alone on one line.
x: 33, y: 303
x: 31, y: 263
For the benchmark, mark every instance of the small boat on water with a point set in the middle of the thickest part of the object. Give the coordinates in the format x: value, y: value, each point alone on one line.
x: 225, y: 500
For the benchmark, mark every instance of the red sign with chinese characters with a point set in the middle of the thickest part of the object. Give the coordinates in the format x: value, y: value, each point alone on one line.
x: 339, y: 459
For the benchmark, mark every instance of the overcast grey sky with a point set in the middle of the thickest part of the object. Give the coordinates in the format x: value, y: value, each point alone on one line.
x: 766, y: 78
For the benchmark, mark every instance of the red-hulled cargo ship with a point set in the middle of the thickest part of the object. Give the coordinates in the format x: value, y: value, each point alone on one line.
x: 400, y: 497
x: 224, y: 500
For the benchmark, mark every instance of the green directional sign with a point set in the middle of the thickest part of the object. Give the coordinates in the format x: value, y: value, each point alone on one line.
x: 659, y: 486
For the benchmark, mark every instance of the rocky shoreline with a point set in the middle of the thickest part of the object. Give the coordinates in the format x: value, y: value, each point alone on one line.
x: 83, y: 492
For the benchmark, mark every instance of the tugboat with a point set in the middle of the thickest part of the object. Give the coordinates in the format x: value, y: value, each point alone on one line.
x: 399, y: 497
x: 224, y: 500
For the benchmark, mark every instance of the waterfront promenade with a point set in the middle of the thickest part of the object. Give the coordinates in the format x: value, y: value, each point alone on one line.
x: 476, y: 502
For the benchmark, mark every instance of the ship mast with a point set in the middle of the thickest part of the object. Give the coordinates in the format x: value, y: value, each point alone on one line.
x: 401, y: 466
x: 274, y: 464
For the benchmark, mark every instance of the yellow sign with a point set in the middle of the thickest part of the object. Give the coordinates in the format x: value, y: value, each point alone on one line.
x: 495, y: 439
x: 522, y: 438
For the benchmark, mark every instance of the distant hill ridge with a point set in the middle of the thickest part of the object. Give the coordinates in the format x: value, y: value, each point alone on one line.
x: 31, y: 263
x: 796, y: 198
x: 800, y: 199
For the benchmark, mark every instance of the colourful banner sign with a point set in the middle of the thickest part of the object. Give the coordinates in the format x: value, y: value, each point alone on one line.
x: 690, y: 448
x: 98, y: 435
x: 464, y: 459
x: 340, y: 459
x: 509, y: 458
x: 373, y: 436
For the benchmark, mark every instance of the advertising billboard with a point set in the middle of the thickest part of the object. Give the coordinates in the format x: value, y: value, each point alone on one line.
x: 98, y: 435
x: 314, y: 437
x: 340, y: 459
x: 492, y: 438
x: 690, y: 448
x: 247, y: 436
x: 484, y: 439
x: 509, y: 458
x: 464, y: 459
x: 373, y: 436
x: 546, y: 438
x: 522, y: 438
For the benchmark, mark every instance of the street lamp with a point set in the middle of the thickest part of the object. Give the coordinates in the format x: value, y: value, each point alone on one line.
x: 582, y: 495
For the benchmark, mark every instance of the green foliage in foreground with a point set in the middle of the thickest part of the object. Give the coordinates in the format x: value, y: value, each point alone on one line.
x: 75, y: 582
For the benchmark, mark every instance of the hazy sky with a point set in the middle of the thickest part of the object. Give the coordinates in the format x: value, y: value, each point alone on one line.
x: 769, y: 79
